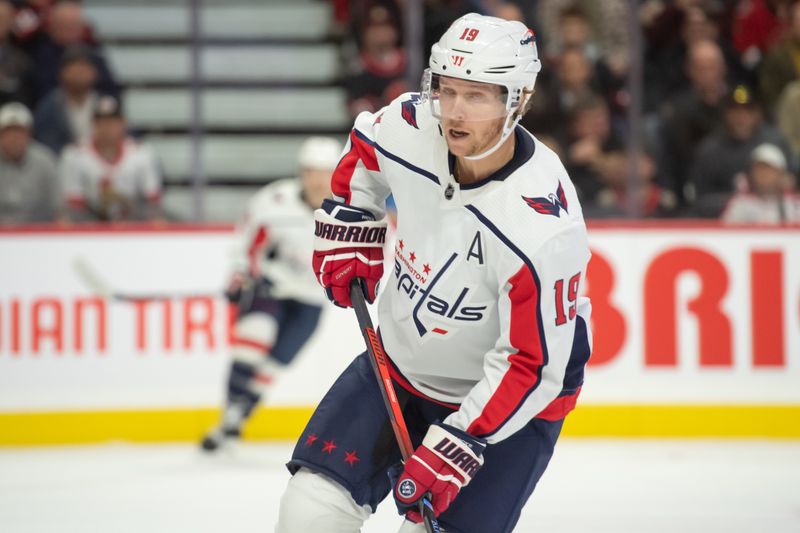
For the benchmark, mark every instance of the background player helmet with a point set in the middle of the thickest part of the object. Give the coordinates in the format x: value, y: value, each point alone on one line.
x: 321, y: 153
x: 488, y: 50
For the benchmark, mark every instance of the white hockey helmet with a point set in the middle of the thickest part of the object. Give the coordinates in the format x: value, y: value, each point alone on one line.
x: 319, y: 152
x: 485, y: 49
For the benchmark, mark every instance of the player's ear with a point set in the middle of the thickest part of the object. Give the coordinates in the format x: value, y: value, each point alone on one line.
x: 526, y: 103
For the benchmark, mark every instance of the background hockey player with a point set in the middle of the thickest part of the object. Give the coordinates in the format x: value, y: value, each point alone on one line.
x: 278, y: 299
x: 481, y: 319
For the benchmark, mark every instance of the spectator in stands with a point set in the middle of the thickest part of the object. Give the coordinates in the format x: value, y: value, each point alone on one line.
x: 598, y: 164
x: 756, y: 26
x: 781, y: 65
x: 769, y: 196
x: 29, y: 189
x: 15, y: 66
x: 506, y: 10
x: 620, y: 196
x: 29, y: 20
x: 671, y: 33
x: 694, y: 113
x: 724, y: 154
x: 570, y: 81
x: 65, y: 115
x: 590, y: 141
x: 378, y: 75
x: 788, y: 117
x: 575, y: 31
x: 111, y: 177
x: 608, y: 28
x: 65, y: 28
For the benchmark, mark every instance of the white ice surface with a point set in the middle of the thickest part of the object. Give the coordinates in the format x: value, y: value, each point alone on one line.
x: 597, y: 486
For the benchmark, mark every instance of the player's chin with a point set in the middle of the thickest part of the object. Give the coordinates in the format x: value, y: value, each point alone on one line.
x: 459, y: 142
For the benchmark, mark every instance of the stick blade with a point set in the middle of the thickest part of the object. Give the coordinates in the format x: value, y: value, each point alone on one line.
x: 91, y: 279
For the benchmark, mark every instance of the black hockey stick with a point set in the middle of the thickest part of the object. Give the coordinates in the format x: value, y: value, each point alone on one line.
x: 100, y: 287
x: 381, y: 368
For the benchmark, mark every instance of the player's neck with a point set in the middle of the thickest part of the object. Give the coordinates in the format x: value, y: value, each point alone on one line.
x: 473, y: 170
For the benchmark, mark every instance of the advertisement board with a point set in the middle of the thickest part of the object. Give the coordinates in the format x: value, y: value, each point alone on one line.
x: 686, y: 318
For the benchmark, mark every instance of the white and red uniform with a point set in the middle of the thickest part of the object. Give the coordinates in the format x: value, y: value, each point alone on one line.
x: 482, y: 306
x: 129, y: 187
x: 748, y: 208
x: 274, y: 240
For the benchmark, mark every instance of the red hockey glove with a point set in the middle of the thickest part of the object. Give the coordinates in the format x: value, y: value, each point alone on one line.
x: 446, y: 461
x: 348, y: 244
x: 236, y: 286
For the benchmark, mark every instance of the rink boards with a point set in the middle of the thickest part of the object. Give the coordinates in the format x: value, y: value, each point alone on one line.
x: 697, y: 333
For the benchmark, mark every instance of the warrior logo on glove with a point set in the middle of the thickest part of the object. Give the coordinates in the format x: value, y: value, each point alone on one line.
x: 350, y: 233
x: 349, y: 244
x: 446, y: 462
x: 458, y: 456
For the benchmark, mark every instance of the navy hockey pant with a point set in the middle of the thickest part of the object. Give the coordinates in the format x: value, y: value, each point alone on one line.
x: 350, y: 440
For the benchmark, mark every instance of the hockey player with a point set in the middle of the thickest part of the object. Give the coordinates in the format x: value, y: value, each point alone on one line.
x: 486, y: 333
x: 278, y: 299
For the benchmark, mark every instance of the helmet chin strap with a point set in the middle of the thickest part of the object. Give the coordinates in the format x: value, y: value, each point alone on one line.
x: 507, y: 129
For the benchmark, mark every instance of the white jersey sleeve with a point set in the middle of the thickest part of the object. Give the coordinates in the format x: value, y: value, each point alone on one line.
x: 358, y: 179
x: 274, y: 240
x: 538, y: 306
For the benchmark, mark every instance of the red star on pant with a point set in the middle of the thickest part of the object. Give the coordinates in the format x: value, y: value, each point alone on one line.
x: 412, y: 256
x: 351, y: 458
x: 401, y: 244
x: 426, y: 268
x: 328, y: 447
x: 310, y: 439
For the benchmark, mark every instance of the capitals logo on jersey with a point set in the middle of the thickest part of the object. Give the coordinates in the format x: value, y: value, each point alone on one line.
x: 552, y: 205
x: 409, y: 110
x: 447, y: 311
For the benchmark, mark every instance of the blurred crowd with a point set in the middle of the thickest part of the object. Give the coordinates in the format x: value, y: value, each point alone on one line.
x: 65, y: 152
x: 719, y: 127
x: 720, y: 109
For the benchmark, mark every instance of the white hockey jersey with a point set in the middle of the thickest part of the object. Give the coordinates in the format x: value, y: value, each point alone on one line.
x: 275, y: 240
x: 483, y: 308
x: 128, y: 188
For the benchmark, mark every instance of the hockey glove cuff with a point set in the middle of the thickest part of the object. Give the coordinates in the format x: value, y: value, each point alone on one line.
x: 446, y: 461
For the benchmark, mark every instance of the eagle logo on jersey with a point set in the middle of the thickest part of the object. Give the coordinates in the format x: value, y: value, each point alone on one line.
x: 552, y: 205
x: 409, y: 110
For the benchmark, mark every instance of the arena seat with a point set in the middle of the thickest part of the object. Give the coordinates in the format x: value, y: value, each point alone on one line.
x: 245, y: 157
x: 138, y: 64
x: 301, y: 109
x: 269, y: 76
x: 221, y: 203
x: 295, y: 20
x: 170, y: 19
x: 139, y: 20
